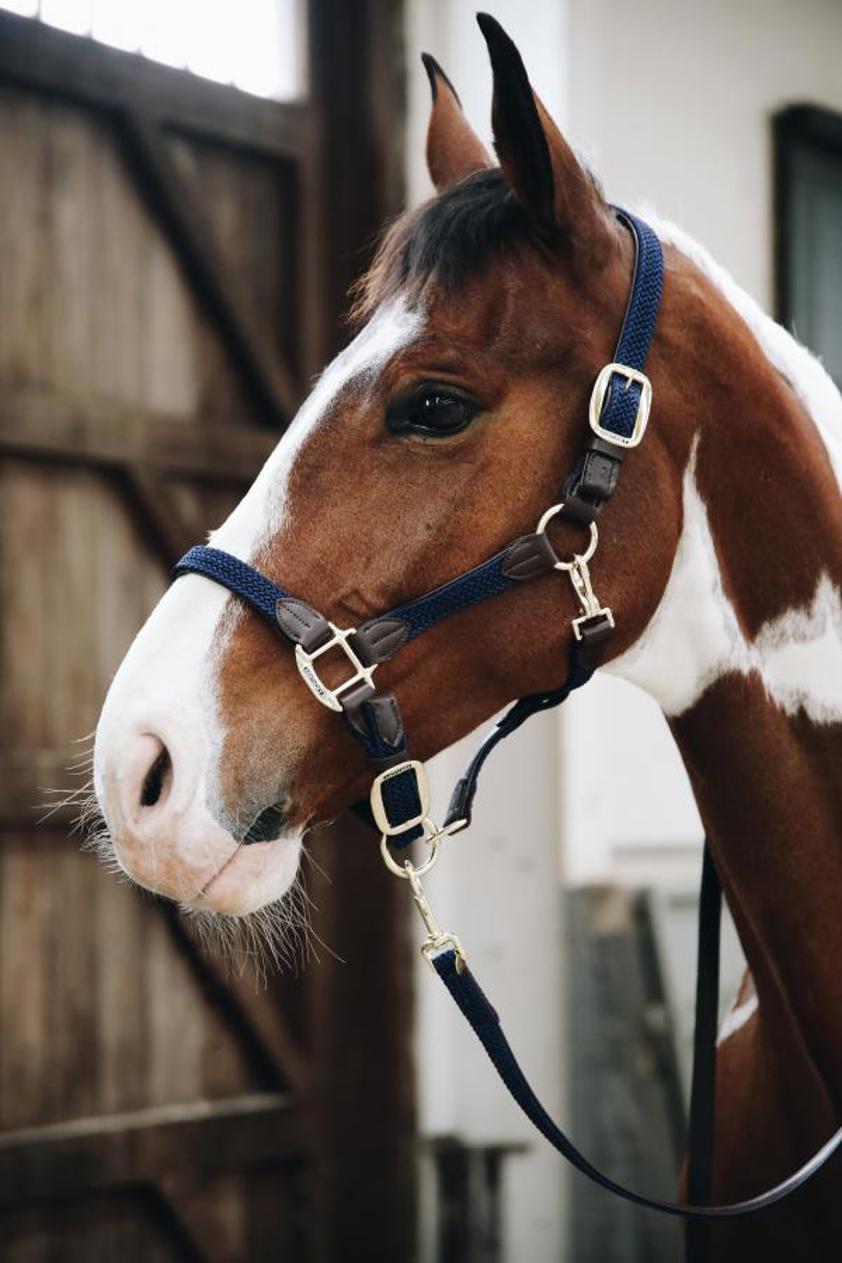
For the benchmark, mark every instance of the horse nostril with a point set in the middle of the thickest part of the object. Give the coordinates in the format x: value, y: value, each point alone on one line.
x: 267, y: 826
x: 157, y: 779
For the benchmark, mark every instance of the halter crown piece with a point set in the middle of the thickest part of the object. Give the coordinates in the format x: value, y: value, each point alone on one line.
x: 400, y: 795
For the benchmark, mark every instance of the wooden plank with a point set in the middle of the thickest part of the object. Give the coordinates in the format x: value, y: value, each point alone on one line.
x: 120, y: 922
x: 92, y: 430
x: 358, y: 90
x: 266, y: 378
x: 101, y: 303
x: 24, y: 983
x: 207, y: 1137
x: 68, y: 1056
x: 134, y: 1224
x: 364, y: 1106
x: 26, y: 776
x: 160, y: 513
x: 362, y: 1003
x: 213, y: 1212
x: 259, y: 1213
x: 240, y: 195
x: 79, y: 69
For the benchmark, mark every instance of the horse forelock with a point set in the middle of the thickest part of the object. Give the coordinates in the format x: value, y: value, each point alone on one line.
x: 448, y: 239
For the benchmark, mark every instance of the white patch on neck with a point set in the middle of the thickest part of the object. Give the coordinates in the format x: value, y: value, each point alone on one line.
x: 694, y: 637
x: 261, y: 512
x: 737, y: 1017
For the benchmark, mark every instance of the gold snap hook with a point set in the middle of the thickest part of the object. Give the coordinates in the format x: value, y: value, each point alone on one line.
x: 437, y: 940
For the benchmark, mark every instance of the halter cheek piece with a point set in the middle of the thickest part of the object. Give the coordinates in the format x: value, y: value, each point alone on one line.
x: 400, y: 796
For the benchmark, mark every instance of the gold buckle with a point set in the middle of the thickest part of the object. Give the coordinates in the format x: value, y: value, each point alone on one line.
x: 600, y: 390
x: 378, y: 807
x: 304, y: 661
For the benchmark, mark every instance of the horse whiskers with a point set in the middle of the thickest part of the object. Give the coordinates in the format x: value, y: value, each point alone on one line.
x: 279, y: 936
x: 82, y: 798
x: 90, y: 824
x: 306, y: 854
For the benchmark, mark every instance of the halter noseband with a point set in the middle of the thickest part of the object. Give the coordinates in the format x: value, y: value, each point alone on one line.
x: 400, y: 795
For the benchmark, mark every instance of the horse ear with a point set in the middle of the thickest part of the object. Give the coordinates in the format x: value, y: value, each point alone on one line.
x: 544, y: 173
x: 453, y: 148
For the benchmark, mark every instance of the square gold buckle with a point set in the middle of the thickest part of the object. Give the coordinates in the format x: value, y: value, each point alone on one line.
x: 600, y: 390
x: 310, y: 676
x: 378, y: 807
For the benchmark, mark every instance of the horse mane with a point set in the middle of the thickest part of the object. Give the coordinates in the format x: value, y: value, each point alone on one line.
x: 816, y: 389
x: 447, y: 239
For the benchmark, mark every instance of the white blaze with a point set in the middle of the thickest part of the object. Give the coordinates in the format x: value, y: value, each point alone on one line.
x: 263, y: 509
x: 166, y: 684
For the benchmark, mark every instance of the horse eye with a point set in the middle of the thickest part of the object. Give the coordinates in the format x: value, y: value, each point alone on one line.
x: 433, y: 410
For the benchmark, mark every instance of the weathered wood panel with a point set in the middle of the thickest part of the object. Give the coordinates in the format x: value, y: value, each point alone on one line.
x: 243, y: 194
x: 231, y: 1188
x: 129, y: 422
x: 109, y: 1020
x: 100, y: 303
x: 40, y: 57
x: 108, y: 364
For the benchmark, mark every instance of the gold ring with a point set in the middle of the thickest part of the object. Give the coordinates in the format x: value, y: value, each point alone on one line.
x: 577, y: 558
x: 407, y: 869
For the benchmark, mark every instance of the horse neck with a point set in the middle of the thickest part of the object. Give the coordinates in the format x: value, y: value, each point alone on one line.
x: 745, y: 657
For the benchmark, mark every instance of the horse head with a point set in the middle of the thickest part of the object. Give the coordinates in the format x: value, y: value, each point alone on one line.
x: 442, y: 432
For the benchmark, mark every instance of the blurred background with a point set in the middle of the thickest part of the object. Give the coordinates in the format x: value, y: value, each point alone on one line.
x: 186, y: 191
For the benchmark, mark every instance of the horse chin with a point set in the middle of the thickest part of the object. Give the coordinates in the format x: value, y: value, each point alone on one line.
x: 253, y: 877
x: 224, y: 876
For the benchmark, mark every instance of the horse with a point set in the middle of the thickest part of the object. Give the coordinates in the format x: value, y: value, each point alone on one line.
x: 439, y: 434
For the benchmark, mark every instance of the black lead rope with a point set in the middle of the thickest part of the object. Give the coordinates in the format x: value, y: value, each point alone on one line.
x: 702, y: 1126
x: 482, y: 1016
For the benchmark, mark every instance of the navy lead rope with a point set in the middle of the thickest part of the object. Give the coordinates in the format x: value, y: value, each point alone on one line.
x: 619, y: 413
x: 483, y: 1018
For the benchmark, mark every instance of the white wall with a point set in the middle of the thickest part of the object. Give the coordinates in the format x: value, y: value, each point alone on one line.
x: 499, y: 885
x: 687, y: 126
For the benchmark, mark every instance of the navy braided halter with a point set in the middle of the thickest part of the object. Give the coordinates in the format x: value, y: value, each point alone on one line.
x: 400, y: 799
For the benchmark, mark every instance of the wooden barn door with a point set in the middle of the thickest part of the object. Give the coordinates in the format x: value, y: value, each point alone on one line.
x: 172, y: 258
